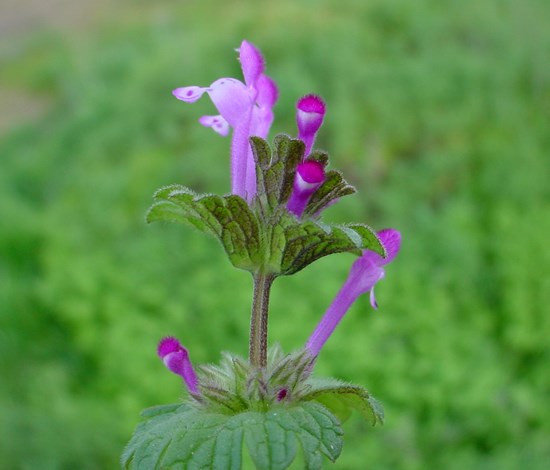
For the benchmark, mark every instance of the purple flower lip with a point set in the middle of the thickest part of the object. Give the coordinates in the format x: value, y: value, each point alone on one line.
x: 311, y: 172
x: 217, y: 123
x: 168, y: 345
x: 311, y: 104
x: 363, y: 276
x: 176, y: 359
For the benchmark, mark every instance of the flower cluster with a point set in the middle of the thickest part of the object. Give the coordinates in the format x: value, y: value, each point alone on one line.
x: 246, y: 109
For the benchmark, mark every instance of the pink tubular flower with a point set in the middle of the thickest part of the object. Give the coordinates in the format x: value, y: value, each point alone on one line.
x: 247, y: 108
x: 310, y: 112
x: 309, y: 176
x: 176, y: 359
x: 363, y: 276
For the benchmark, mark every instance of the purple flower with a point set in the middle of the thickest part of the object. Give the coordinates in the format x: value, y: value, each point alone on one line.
x: 363, y: 276
x: 246, y: 107
x: 310, y: 113
x: 176, y: 358
x: 309, y: 176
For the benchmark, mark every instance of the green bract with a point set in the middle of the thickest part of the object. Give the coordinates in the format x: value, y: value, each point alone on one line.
x: 183, y: 437
x: 265, y: 237
x: 241, y: 404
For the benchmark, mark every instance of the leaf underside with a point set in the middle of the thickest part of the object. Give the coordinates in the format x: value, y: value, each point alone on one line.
x: 342, y: 399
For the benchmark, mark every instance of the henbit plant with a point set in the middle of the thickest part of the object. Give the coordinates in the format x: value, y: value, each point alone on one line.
x: 269, y: 225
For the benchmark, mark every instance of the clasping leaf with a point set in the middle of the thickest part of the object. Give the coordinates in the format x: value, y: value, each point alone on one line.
x: 187, y: 437
x: 227, y: 218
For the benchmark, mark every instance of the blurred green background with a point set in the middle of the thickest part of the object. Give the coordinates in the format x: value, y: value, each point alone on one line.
x: 437, y: 111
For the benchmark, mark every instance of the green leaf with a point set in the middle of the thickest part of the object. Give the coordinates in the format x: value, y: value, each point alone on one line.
x: 307, y: 241
x: 275, y: 171
x: 369, y: 238
x: 181, y: 436
x: 334, y: 187
x: 289, y: 152
x: 162, y: 193
x: 227, y: 218
x: 341, y: 399
x: 160, y: 410
x: 319, y: 156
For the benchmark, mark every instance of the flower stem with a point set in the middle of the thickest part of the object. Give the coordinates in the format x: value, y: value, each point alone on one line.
x: 258, y: 321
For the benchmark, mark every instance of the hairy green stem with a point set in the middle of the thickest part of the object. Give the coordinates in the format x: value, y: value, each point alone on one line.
x: 258, y: 321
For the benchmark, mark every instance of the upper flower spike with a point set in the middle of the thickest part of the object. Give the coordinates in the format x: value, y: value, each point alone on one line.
x: 176, y: 358
x: 363, y: 276
x: 310, y: 113
x: 245, y: 107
